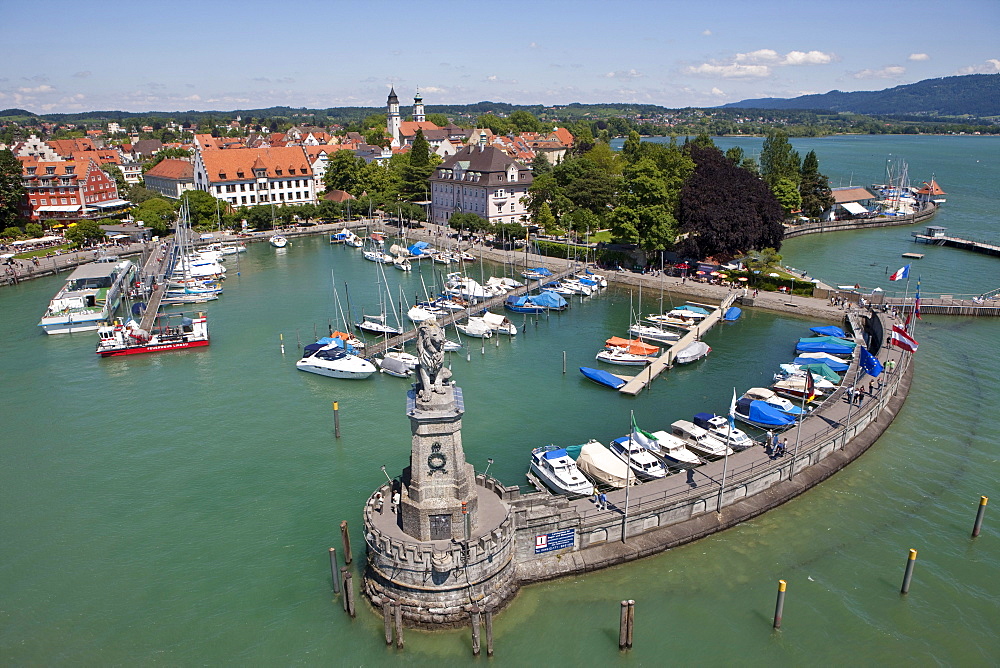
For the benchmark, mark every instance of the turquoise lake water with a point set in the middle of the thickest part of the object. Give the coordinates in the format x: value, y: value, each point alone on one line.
x: 176, y: 509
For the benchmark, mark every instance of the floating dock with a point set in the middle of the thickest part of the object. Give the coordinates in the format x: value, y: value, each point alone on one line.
x: 637, y: 384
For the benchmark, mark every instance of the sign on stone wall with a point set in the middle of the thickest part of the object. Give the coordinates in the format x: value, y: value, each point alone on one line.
x: 557, y: 540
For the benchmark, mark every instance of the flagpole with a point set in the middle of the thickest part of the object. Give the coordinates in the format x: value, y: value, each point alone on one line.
x: 628, y: 481
x: 906, y: 295
x: 725, y: 461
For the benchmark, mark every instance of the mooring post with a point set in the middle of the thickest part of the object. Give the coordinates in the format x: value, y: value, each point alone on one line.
x: 489, y: 631
x: 349, y: 591
x: 399, y: 624
x: 979, y: 516
x: 908, y: 574
x: 623, y: 626
x: 631, y: 623
x: 344, y: 583
x: 780, y: 605
x: 475, y: 629
x: 387, y: 620
x: 336, y: 419
x: 346, y: 537
x: 333, y: 570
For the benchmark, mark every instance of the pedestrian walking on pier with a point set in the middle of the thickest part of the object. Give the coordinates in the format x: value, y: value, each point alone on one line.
x: 772, y: 440
x: 782, y: 447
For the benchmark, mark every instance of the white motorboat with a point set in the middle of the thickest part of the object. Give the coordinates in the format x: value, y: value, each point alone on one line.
x: 795, y: 372
x: 233, y: 249
x: 796, y: 388
x: 653, y: 333
x: 394, y: 367
x: 499, y: 323
x: 411, y: 361
x: 692, y: 352
x: 89, y: 298
x: 418, y: 313
x: 476, y: 328
x: 645, y: 465
x: 375, y: 324
x: 402, y: 263
x: 672, y: 450
x: 333, y: 361
x: 600, y: 465
x: 278, y: 241
x: 719, y: 426
x: 699, y: 440
x: 622, y: 357
x: 377, y: 256
x: 558, y: 471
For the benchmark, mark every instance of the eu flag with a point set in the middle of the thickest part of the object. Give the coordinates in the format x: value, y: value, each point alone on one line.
x: 869, y: 364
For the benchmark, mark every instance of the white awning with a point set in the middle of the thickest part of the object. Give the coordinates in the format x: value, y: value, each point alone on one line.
x: 65, y: 208
x: 854, y: 207
x: 111, y: 203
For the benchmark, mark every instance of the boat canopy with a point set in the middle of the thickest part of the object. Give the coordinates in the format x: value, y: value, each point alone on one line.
x: 821, y: 369
x: 600, y: 464
x: 634, y: 346
x: 829, y: 330
x: 549, y: 299
x: 836, y: 340
x: 733, y: 313
x: 541, y: 271
x: 556, y: 454
x: 694, y: 309
x: 832, y: 365
x: 603, y: 377
x: 417, y: 249
x: 494, y: 319
x: 761, y: 413
x: 823, y: 347
x: 573, y: 451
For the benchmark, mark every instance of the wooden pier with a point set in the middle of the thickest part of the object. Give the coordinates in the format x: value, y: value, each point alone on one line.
x: 957, y: 242
x: 398, y: 340
x: 636, y: 384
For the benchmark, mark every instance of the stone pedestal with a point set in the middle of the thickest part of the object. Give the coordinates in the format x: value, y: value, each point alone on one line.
x: 438, y: 500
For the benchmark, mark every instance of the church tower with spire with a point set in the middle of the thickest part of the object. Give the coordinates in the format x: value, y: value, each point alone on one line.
x: 392, y: 117
x: 418, y: 108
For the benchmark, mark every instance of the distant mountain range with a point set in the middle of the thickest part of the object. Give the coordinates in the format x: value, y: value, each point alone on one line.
x: 975, y: 95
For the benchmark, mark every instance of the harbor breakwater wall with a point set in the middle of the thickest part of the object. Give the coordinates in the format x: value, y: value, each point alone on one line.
x: 792, y: 231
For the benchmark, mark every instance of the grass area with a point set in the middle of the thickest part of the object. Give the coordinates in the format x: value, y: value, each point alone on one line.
x: 27, y: 255
x: 598, y: 237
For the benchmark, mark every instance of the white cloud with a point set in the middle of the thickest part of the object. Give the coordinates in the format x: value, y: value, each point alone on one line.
x: 887, y: 72
x: 43, y: 88
x: 991, y: 66
x: 918, y: 56
x: 192, y: 98
x: 706, y: 33
x: 717, y: 92
x: 772, y: 57
x: 533, y: 45
x: 82, y: 75
x: 495, y: 79
x: 624, y: 74
x: 432, y: 89
x: 733, y: 71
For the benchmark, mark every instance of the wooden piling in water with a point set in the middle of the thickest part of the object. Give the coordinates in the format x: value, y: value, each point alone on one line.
x: 631, y: 623
x: 349, y: 590
x: 489, y: 632
x: 979, y: 516
x: 399, y: 624
x: 475, y: 629
x: 333, y: 570
x: 387, y: 620
x: 623, y: 626
x: 346, y: 537
x: 336, y: 419
x: 908, y: 574
x: 343, y: 583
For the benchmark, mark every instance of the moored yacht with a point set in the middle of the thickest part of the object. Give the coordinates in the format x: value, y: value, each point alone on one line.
x: 89, y: 298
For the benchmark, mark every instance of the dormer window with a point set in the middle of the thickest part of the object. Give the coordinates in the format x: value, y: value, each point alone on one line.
x: 260, y: 173
x: 70, y: 169
x: 277, y: 170
x: 50, y: 170
x: 222, y: 175
x: 31, y: 171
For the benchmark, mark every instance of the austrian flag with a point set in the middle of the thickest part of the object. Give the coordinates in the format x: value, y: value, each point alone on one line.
x: 901, y: 339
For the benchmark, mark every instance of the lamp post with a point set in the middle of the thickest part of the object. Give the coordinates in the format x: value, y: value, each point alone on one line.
x: 386, y: 474
x: 489, y: 463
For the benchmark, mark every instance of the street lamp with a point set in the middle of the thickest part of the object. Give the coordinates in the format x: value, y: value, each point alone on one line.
x: 386, y: 474
x: 489, y: 463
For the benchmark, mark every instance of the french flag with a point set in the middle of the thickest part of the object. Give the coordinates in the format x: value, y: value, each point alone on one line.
x: 901, y: 274
x: 901, y: 339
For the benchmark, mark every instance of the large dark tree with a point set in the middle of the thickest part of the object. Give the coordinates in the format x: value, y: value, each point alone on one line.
x: 11, y: 190
x: 814, y: 187
x: 726, y: 210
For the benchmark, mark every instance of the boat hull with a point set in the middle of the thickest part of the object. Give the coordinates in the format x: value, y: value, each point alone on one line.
x: 333, y: 373
x: 152, y: 348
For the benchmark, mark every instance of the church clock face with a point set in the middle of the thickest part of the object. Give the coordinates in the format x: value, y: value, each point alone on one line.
x: 437, y: 460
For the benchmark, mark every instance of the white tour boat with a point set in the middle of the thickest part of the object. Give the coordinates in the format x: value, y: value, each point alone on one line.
x: 89, y: 298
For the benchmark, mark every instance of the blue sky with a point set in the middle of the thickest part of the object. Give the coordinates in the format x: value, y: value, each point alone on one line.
x: 218, y: 55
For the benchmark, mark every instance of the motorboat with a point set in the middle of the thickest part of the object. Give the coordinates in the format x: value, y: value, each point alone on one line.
x: 394, y: 367
x: 602, y: 377
x: 451, y: 346
x: 233, y: 248
x: 410, y: 361
x: 419, y: 313
x: 732, y: 314
x: 476, y: 328
x: 354, y: 241
x: 644, y: 464
x: 797, y: 388
x: 278, y: 241
x: 554, y: 467
x: 341, y: 237
x: 672, y: 450
x: 719, y: 426
x: 699, y: 440
x: 622, y: 357
x: 798, y: 373
x: 503, y: 283
x: 536, y: 274
x: 692, y: 352
x: 377, y: 256
x: 401, y: 263
x: 825, y: 344
x: 333, y: 360
x: 376, y: 324
x: 835, y: 363
x: 653, y: 333
x: 759, y: 414
x: 90, y: 297
x: 444, y: 257
x: 770, y: 398
x: 173, y: 331
x: 499, y: 323
x: 540, y: 303
x: 603, y: 467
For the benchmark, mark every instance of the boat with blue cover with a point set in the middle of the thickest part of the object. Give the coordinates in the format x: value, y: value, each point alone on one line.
x: 602, y: 377
x: 732, y: 313
x: 540, y: 303
x: 834, y: 363
x: 759, y: 414
x: 558, y: 471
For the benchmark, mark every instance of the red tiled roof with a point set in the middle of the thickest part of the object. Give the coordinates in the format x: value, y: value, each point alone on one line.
x: 563, y: 135
x: 173, y: 169
x: 931, y: 188
x: 237, y: 164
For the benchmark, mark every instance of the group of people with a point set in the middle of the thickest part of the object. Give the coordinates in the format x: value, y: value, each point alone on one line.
x: 601, y: 500
x: 779, y: 447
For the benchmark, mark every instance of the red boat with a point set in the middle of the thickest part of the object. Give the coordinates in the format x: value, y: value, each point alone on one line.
x: 174, y: 331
